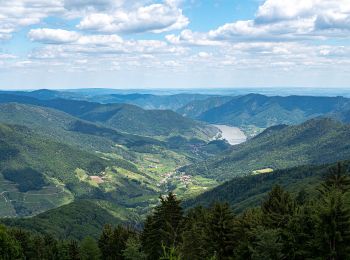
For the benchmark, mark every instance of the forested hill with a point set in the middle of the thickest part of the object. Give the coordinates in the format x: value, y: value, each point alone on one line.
x: 124, y: 117
x: 249, y: 191
x: 279, y: 147
x: 264, y: 111
x: 38, y: 174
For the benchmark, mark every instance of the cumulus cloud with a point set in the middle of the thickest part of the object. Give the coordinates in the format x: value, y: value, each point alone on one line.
x: 53, y: 36
x: 20, y: 13
x: 151, y: 18
x: 290, y: 20
x: 108, y: 16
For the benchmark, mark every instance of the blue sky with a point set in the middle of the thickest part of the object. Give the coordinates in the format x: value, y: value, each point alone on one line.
x: 174, y: 43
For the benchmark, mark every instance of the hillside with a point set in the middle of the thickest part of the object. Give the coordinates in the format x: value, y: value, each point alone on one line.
x: 249, y: 191
x: 264, y: 111
x: 75, y: 220
x: 146, y: 101
x: 37, y: 173
x: 150, y: 101
x: 71, y: 130
x: 280, y: 147
x: 124, y: 117
x: 196, y: 108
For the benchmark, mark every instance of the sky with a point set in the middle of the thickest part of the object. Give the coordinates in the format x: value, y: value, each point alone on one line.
x: 58, y: 44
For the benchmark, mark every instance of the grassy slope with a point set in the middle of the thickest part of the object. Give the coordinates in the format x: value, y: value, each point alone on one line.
x: 249, y: 191
x: 312, y: 142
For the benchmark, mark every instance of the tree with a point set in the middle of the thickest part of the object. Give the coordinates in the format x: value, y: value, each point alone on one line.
x: 112, y: 242
x: 194, y: 236
x: 221, y: 231
x: 163, y: 227
x: 333, y: 231
x: 89, y: 249
x: 9, y: 247
x: 336, y: 178
x: 268, y: 245
x: 278, y: 208
x: 73, y: 250
x: 133, y: 250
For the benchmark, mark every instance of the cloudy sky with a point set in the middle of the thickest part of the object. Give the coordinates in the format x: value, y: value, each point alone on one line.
x: 174, y: 43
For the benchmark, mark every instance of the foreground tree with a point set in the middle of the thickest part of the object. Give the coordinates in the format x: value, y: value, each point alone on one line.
x: 163, y: 227
x: 89, y: 249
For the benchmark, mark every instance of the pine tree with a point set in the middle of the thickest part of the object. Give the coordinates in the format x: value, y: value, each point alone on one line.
x: 133, y: 250
x: 337, y: 178
x: 278, y: 208
x: 245, y: 232
x: 221, y: 231
x: 163, y: 227
x: 105, y: 242
x: 194, y: 237
x: 73, y: 250
x: 89, y: 249
x: 9, y: 247
x: 112, y: 242
x: 333, y: 232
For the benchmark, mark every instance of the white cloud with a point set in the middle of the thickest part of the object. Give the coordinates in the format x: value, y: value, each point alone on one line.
x: 15, y: 14
x: 188, y: 37
x: 53, y: 36
x: 151, y: 18
x: 278, y: 20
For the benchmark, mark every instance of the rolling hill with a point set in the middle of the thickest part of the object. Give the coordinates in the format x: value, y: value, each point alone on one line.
x: 124, y: 117
x: 37, y: 173
x: 249, y: 191
x: 196, y: 108
x: 75, y: 220
x: 312, y: 142
x: 265, y: 111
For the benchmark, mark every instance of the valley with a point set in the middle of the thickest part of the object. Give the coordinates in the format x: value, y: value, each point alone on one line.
x: 120, y: 158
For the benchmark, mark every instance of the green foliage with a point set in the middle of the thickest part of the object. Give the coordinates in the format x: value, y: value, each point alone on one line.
x: 26, y: 179
x: 133, y: 249
x: 113, y: 242
x: 163, y: 227
x: 280, y: 228
x: 74, y: 221
x: 9, y: 247
x: 89, y: 249
x: 264, y: 111
x: 312, y: 142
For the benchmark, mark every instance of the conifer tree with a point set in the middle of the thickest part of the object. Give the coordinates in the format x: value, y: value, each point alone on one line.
x: 333, y: 233
x: 278, y: 208
x: 163, y: 227
x: 195, y: 236
x: 89, y: 249
x: 221, y: 231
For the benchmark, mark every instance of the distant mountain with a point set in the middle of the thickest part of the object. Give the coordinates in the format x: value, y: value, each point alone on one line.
x: 196, y: 108
x: 149, y: 101
x: 316, y: 141
x: 65, y: 128
x: 249, y: 191
x: 124, y: 117
x: 265, y: 111
x: 143, y: 100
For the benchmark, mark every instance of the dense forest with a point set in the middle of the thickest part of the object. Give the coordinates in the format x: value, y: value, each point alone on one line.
x: 283, y: 227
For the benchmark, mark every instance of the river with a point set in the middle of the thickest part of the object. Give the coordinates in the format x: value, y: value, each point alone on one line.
x: 233, y: 135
